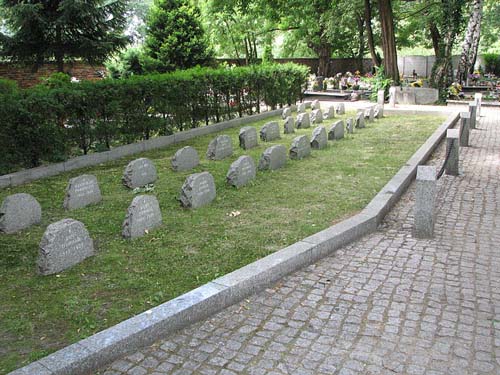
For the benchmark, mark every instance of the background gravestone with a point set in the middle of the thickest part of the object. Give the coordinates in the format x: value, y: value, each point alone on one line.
x: 143, y: 214
x: 371, y: 114
x: 315, y: 104
x: 138, y: 173
x: 286, y: 112
x: 330, y: 113
x: 18, y: 212
x: 198, y: 190
x: 381, y: 97
x: 289, y: 125
x: 81, y: 192
x: 241, y: 171
x: 301, y: 108
x: 248, y: 137
x: 350, y: 125
x: 319, y: 138
x: 273, y: 158
x: 270, y: 131
x: 340, y: 109
x: 317, y: 116
x: 379, y: 111
x: 64, y: 244
x: 300, y: 148
x: 303, y: 121
x: 336, y: 131
x: 185, y: 159
x: 360, y: 120
x: 220, y: 147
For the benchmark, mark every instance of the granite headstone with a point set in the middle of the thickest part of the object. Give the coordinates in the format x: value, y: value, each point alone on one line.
x: 248, y: 137
x: 273, y: 158
x: 220, y: 148
x: 303, y: 121
x: 289, y: 125
x: 350, y: 125
x: 315, y: 105
x: 330, y: 113
x: 270, y: 131
x: 81, y: 192
x: 185, y: 159
x: 198, y: 190
x: 301, y: 107
x: 241, y: 171
x: 300, y: 147
x: 319, y: 138
x: 143, y: 214
x: 340, y: 108
x: 138, y: 173
x: 360, y: 120
x: 286, y: 112
x: 336, y: 130
x: 18, y: 212
x: 317, y: 116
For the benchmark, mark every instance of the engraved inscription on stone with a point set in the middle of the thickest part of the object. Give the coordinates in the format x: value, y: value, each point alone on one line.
x: 270, y: 131
x: 273, y: 158
x: 300, y: 147
x: 220, y: 147
x: 138, y: 173
x: 241, y: 171
x: 185, y: 159
x: 18, y: 212
x: 64, y: 244
x: 248, y: 137
x: 319, y: 138
x: 303, y: 121
x: 143, y: 214
x: 198, y: 190
x: 81, y: 192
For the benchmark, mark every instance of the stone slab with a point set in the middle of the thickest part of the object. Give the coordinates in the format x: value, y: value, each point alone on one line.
x: 286, y: 112
x: 81, y: 192
x: 340, y: 108
x: 198, y: 190
x: 300, y: 148
x: 220, y: 148
x: 270, y: 132
x: 18, y: 212
x: 241, y: 171
x: 139, y: 172
x: 336, y: 131
x: 303, y: 121
x: 319, y: 139
x: 143, y: 215
x: 185, y: 159
x: 248, y: 137
x: 273, y: 158
x: 316, y: 116
x: 289, y: 125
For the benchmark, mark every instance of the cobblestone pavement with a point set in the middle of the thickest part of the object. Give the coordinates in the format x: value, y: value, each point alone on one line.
x: 387, y: 304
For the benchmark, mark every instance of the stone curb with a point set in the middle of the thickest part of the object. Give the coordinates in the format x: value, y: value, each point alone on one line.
x: 144, y: 329
x: 33, y: 174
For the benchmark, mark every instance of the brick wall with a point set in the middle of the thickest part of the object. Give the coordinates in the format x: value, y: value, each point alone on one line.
x: 26, y: 77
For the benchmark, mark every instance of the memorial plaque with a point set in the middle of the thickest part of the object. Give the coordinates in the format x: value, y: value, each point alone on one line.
x: 143, y: 214
x: 300, y: 148
x: 185, y: 159
x: 198, y: 190
x: 81, y: 192
x: 18, y: 212
x: 248, y: 137
x: 273, y: 158
x: 64, y: 244
x: 220, y: 148
x: 319, y: 138
x: 270, y: 131
x: 241, y: 171
x: 138, y: 173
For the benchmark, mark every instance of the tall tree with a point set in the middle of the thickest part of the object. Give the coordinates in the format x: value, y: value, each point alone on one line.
x: 388, y: 40
x: 175, y: 38
x: 40, y: 30
x: 369, y: 33
x: 470, y: 44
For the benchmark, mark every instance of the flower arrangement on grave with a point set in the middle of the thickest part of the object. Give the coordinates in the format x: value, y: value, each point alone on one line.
x: 475, y: 77
x: 417, y: 83
x: 455, y: 91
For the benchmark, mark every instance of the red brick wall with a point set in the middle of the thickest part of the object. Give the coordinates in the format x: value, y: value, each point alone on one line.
x: 25, y: 77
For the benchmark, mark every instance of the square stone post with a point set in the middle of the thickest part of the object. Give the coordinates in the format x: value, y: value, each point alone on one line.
x: 464, y: 129
x: 451, y: 167
x: 424, y: 211
x: 473, y: 114
x: 381, y: 97
x: 392, y: 96
x: 478, y: 98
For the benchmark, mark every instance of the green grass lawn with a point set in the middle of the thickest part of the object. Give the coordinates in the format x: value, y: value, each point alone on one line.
x: 40, y: 314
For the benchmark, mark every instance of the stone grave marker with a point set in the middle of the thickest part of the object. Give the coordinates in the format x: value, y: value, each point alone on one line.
x: 198, y: 190
x: 64, y: 244
x: 286, y: 112
x: 138, y: 173
x: 317, y: 116
x: 289, y: 125
x: 319, y: 138
x: 381, y: 97
x: 248, y: 137
x: 378, y: 111
x: 241, y: 171
x: 18, y: 212
x: 340, y: 108
x: 360, y: 120
x: 81, y: 192
x: 330, y: 113
x: 303, y: 121
x: 273, y: 158
x: 336, y: 130
x: 143, y: 214
x: 300, y: 147
x: 185, y: 159
x: 350, y: 126
x: 270, y: 131
x: 371, y: 113
x: 315, y: 105
x: 220, y: 148
x: 301, y: 108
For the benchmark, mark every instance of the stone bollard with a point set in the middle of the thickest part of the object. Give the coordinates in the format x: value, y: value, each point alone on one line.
x: 425, y: 199
x: 464, y: 129
x: 392, y: 96
x: 381, y: 97
x: 478, y: 98
x: 452, y: 136
x: 473, y: 114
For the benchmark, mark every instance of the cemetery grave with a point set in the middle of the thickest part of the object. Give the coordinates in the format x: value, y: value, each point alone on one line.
x: 186, y: 247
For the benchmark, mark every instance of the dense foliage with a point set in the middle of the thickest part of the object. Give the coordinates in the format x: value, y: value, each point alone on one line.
x: 52, y: 120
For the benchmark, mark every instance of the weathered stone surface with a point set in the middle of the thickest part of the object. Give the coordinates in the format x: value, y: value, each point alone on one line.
x: 198, y: 190
x: 18, y: 212
x: 371, y: 113
x: 303, y: 121
x: 360, y: 120
x: 300, y: 147
x: 270, y: 131
x: 220, y: 148
x: 464, y: 129
x: 392, y: 95
x: 378, y: 111
x: 425, y: 201
x: 478, y: 99
x: 330, y: 113
x: 286, y: 112
x: 273, y: 158
x: 81, y: 192
x: 185, y: 159
x: 143, y: 214
x: 473, y: 115
x: 315, y: 105
x: 381, y: 97
x: 317, y: 116
x: 452, y: 142
x: 289, y: 125
x: 319, y: 138
x: 241, y: 171
x: 301, y: 107
x: 248, y: 137
x: 64, y: 244
x: 336, y: 130
x: 350, y: 125
x: 340, y: 108
x: 139, y: 172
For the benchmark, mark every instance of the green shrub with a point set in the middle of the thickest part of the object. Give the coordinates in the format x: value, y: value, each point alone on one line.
x: 492, y: 63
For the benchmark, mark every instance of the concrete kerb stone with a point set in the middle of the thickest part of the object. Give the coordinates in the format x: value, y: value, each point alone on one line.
x: 98, y: 350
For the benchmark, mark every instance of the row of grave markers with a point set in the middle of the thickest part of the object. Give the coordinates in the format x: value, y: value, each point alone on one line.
x: 67, y: 242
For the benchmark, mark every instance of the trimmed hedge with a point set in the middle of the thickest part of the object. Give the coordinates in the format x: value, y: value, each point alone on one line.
x: 59, y: 119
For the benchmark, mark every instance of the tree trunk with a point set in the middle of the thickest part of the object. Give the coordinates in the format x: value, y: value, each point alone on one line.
x: 361, y: 37
x: 471, y: 42
x: 388, y: 41
x: 435, y: 37
x: 59, y: 56
x: 369, y: 34
x: 324, y: 51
